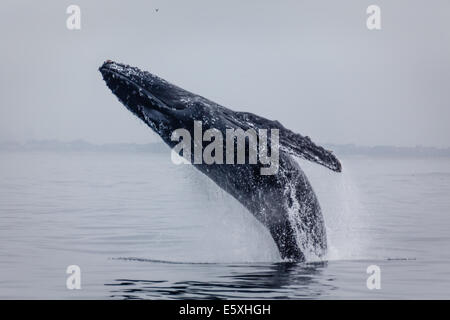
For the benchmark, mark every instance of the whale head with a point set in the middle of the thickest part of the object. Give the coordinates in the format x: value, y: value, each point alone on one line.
x: 165, y: 107
x: 160, y: 104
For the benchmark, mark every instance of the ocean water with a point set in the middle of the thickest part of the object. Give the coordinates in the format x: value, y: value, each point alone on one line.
x: 140, y: 227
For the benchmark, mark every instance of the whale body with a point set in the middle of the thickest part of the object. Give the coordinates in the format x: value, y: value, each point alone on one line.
x: 283, y: 202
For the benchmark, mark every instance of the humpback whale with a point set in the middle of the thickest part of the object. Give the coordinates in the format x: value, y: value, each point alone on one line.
x: 283, y: 202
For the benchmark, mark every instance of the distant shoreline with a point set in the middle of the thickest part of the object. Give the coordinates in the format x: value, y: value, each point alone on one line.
x: 392, y: 151
x: 159, y: 147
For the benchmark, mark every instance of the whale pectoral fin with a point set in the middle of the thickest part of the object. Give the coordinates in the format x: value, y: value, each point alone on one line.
x: 294, y: 143
x: 303, y: 147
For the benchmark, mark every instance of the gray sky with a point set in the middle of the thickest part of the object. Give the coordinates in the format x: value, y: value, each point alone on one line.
x: 313, y: 65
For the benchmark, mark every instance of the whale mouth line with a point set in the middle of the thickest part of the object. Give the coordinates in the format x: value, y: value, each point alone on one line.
x: 152, y: 101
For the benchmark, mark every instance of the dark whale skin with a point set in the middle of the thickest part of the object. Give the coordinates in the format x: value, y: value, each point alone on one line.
x: 284, y: 202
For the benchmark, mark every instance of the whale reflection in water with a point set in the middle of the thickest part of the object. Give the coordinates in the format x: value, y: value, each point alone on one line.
x: 227, y: 281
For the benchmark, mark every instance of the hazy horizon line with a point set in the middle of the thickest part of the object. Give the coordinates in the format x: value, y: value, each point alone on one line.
x: 80, y: 140
x: 80, y: 145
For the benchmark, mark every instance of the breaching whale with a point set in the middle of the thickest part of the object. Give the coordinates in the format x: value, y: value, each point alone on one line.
x: 284, y: 202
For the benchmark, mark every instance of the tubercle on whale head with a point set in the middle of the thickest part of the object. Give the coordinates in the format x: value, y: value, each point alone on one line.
x: 146, y: 95
x: 163, y: 106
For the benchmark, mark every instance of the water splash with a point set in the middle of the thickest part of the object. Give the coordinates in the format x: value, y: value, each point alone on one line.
x: 346, y: 219
x: 298, y: 212
x: 230, y: 233
x: 227, y: 232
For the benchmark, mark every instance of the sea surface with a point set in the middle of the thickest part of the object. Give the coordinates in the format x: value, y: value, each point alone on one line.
x: 140, y: 227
